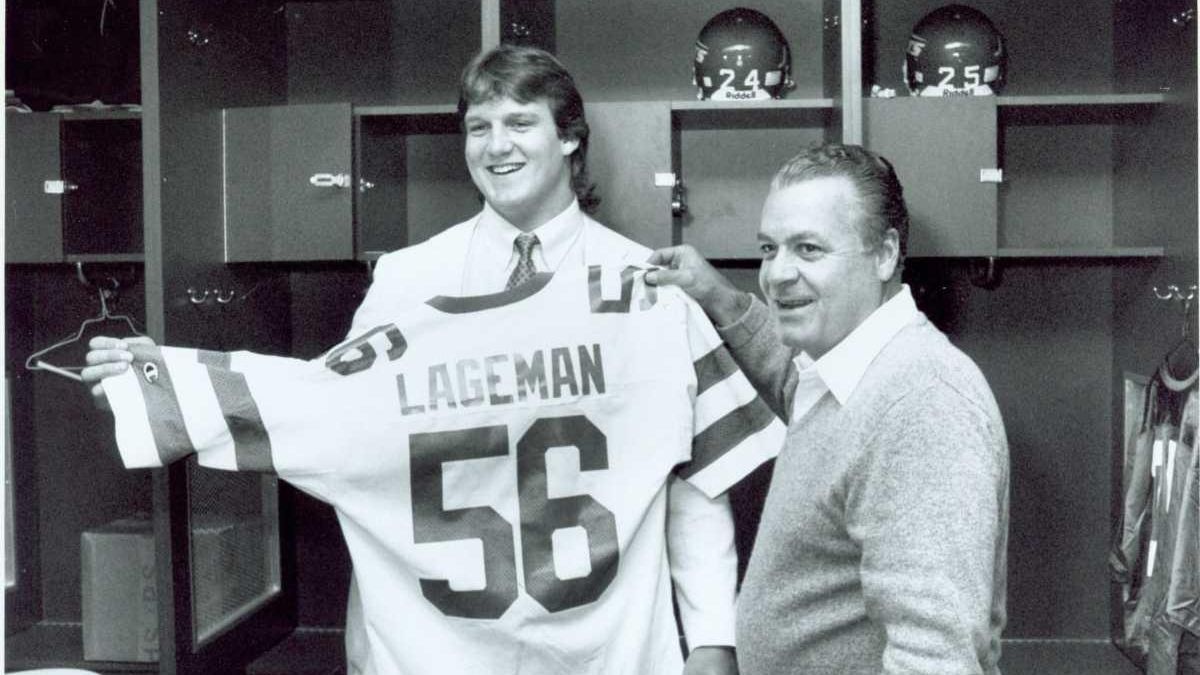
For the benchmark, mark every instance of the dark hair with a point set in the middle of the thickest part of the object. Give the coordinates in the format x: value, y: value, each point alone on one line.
x: 880, y: 195
x: 528, y: 74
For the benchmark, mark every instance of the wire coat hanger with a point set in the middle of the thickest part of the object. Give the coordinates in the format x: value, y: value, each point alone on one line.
x: 1181, y: 364
x: 35, y: 361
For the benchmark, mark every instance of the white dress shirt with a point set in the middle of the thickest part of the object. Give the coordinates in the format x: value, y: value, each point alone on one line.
x: 491, y: 256
x: 841, y: 368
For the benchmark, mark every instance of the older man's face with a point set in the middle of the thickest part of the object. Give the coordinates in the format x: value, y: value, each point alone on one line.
x: 818, y: 277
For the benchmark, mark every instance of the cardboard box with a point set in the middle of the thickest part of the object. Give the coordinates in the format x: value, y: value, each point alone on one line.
x: 120, y: 598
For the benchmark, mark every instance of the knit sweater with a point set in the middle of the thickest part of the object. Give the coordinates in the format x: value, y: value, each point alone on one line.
x: 882, y: 544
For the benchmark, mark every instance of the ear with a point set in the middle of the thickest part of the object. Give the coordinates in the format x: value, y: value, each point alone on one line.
x: 569, y: 145
x: 888, y: 255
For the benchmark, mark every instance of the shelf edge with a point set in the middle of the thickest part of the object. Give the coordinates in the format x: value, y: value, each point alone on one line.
x: 775, y: 104
x: 404, y: 110
x: 1116, y: 252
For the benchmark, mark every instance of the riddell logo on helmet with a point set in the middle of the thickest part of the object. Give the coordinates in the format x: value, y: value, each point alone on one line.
x: 731, y: 94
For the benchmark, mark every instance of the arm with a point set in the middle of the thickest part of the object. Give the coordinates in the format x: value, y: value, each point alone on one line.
x: 762, y: 356
x: 703, y: 562
x: 742, y: 321
x: 928, y: 505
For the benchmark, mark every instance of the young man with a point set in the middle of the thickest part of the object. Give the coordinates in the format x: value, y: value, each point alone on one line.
x: 882, y: 545
x: 526, y: 144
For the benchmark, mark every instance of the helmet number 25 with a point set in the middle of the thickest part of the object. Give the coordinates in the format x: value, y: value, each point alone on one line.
x: 750, y: 82
x: 540, y: 516
x: 970, y: 75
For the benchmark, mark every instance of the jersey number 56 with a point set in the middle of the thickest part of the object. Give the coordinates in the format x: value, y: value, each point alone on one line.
x: 540, y: 517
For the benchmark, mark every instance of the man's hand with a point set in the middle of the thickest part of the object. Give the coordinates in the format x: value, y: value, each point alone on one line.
x: 711, y: 661
x: 687, y: 269
x: 107, y: 357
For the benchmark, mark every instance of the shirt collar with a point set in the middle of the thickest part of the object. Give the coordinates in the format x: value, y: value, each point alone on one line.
x: 555, y: 236
x: 842, y: 367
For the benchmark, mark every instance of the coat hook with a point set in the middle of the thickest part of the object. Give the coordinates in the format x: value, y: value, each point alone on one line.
x: 223, y: 299
x: 1174, y: 293
x: 989, y: 276
x: 197, y: 297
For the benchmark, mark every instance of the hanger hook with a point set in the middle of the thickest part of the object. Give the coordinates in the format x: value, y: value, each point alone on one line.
x: 1169, y: 295
x: 1187, y: 310
x: 103, y: 293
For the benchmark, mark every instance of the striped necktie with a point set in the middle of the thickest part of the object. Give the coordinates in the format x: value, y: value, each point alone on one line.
x: 525, y: 268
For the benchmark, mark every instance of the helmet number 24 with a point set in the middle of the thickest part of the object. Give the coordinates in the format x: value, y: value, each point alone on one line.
x: 751, y: 80
x: 970, y: 74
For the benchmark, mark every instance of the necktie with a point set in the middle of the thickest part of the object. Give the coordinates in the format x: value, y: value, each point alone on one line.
x: 525, y: 268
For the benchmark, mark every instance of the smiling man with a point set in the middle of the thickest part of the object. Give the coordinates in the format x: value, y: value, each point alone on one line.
x: 526, y: 140
x: 882, y: 544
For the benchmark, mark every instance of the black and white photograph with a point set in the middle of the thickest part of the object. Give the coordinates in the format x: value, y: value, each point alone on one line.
x: 601, y: 337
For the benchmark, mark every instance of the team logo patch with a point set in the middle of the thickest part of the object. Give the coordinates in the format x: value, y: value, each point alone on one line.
x: 150, y: 372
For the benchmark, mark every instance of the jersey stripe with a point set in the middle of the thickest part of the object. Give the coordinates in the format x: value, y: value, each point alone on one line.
x: 726, y: 434
x: 202, y: 414
x: 713, y: 367
x: 215, y: 359
x: 251, y: 442
x: 736, y: 464
x: 478, y: 303
x: 135, y: 438
x: 717, y: 402
x: 167, y: 425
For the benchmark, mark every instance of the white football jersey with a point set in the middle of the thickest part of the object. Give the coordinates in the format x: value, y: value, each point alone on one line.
x: 498, y: 463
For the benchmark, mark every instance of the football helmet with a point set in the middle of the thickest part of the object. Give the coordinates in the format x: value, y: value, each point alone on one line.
x: 741, y: 55
x: 954, y: 51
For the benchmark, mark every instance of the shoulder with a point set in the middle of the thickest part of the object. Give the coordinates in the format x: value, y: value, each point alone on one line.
x: 417, y: 260
x: 413, y: 274
x: 921, y: 366
x: 925, y: 400
x: 605, y: 245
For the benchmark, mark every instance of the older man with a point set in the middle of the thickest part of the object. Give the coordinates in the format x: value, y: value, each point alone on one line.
x: 882, y: 545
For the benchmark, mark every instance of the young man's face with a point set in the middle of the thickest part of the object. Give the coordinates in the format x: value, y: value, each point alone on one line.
x: 818, y: 277
x: 517, y: 160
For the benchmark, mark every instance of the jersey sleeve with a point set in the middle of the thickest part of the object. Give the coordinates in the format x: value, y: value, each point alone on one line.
x: 703, y: 563
x: 236, y: 411
x: 734, y: 429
